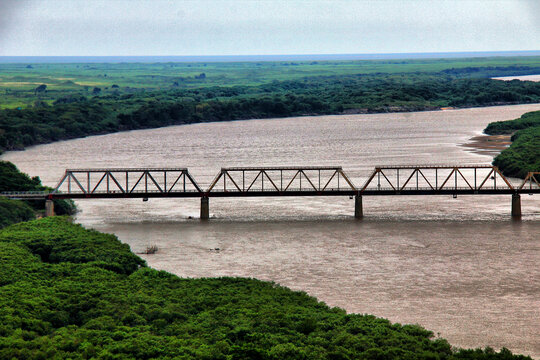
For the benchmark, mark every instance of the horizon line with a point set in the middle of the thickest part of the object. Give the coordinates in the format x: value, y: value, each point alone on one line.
x: 270, y: 57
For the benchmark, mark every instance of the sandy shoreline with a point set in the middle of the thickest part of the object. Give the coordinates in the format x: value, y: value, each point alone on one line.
x: 488, y: 144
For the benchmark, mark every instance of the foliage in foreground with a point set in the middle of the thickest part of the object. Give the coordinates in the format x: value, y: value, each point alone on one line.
x: 14, y: 211
x: 524, y: 153
x: 67, y: 292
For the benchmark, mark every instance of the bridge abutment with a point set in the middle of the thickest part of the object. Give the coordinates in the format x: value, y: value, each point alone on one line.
x: 49, y: 208
x: 358, y: 209
x: 205, y: 208
x: 516, y: 205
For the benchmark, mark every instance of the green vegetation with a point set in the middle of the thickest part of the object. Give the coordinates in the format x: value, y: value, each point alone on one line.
x: 67, y: 292
x: 524, y: 153
x: 527, y: 120
x: 72, y: 117
x: 11, y: 179
x: 49, y: 102
x: 13, y: 211
x: 19, y: 82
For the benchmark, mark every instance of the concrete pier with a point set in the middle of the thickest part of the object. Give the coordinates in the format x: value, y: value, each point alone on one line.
x: 358, y: 210
x: 49, y: 208
x: 205, y: 208
x: 516, y: 205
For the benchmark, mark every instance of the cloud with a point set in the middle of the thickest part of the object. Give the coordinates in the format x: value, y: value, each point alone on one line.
x: 9, y: 9
x: 214, y: 27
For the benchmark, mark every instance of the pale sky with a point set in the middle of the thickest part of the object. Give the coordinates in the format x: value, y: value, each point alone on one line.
x: 254, y: 27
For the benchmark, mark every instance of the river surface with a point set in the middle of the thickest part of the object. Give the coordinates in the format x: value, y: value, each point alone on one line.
x: 459, y: 267
x: 521, y: 77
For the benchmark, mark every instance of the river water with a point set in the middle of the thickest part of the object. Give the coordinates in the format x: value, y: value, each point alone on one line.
x: 459, y: 267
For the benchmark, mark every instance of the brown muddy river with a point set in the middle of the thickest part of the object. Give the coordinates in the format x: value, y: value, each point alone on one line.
x: 459, y: 267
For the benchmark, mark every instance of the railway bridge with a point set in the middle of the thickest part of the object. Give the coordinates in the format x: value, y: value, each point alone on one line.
x: 145, y: 183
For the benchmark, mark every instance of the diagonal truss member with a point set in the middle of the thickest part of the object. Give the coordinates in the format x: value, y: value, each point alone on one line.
x: 436, y: 178
x: 532, y: 180
x: 281, y: 179
x: 127, y: 181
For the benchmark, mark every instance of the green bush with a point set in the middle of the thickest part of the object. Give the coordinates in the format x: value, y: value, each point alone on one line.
x: 523, y: 155
x: 527, y: 120
x: 14, y: 211
x: 11, y: 179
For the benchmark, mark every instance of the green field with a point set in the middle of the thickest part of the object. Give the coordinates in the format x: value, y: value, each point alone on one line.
x: 50, y: 102
x: 18, y: 81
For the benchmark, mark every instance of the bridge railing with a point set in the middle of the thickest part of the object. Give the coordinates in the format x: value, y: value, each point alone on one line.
x: 281, y: 179
x: 127, y: 181
x: 437, y: 178
x: 25, y: 195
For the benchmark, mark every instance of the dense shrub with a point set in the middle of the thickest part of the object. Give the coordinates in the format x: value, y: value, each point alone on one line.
x: 11, y: 179
x: 527, y: 120
x: 13, y: 211
x: 523, y: 155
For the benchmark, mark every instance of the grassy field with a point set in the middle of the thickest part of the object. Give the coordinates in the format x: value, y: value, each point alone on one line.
x: 19, y: 81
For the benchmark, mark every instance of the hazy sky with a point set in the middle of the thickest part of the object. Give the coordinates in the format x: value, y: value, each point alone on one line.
x: 227, y: 27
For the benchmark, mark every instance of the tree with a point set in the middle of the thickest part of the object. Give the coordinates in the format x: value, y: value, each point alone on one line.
x: 41, y: 88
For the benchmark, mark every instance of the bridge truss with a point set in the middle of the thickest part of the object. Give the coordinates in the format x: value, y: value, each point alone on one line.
x: 284, y: 181
x: 281, y: 181
x: 432, y: 180
x: 531, y: 181
x: 127, y: 182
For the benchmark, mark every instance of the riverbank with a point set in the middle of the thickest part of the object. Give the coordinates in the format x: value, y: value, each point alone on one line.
x: 70, y: 292
x: 523, y: 154
x: 489, y: 144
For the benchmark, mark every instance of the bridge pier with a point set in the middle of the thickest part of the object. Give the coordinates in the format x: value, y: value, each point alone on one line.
x: 205, y: 208
x: 516, y: 205
x: 49, y: 208
x: 358, y: 209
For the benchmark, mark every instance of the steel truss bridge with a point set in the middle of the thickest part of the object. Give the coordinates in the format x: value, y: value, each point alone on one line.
x: 148, y: 183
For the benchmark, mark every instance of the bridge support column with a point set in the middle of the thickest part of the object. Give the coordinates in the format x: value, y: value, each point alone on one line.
x: 358, y: 209
x: 49, y: 208
x: 205, y: 208
x: 516, y: 205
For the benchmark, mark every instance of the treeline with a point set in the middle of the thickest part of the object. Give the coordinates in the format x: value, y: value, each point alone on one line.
x: 523, y: 155
x: 78, y: 116
x: 14, y: 211
x: 67, y: 292
x: 492, y: 71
